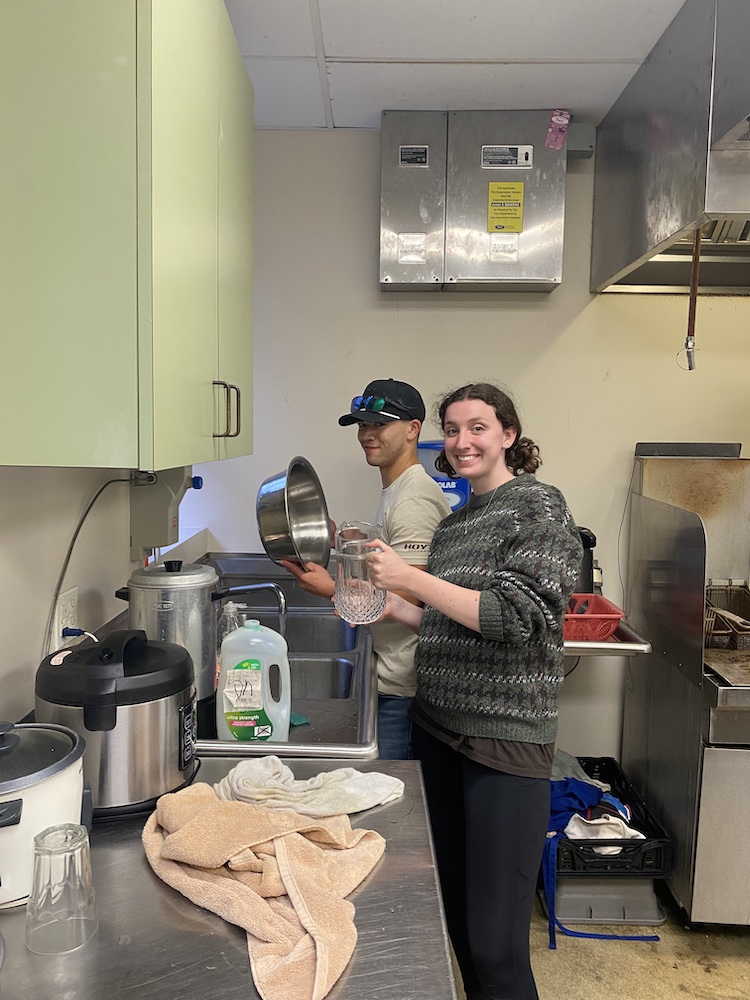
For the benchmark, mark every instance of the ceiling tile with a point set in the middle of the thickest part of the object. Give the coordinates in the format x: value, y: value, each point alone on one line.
x: 440, y: 54
x: 288, y: 93
x: 360, y: 92
x: 468, y: 30
x: 272, y: 27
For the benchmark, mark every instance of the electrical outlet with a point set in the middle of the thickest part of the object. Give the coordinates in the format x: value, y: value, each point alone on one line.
x: 66, y: 614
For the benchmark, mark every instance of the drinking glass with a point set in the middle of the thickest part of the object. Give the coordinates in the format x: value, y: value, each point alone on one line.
x: 357, y: 600
x: 61, y: 911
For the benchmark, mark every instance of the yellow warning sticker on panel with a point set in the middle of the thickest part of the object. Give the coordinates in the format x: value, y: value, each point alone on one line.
x: 505, y: 207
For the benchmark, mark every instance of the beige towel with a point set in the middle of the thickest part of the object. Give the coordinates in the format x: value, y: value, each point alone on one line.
x: 279, y: 875
x: 268, y: 782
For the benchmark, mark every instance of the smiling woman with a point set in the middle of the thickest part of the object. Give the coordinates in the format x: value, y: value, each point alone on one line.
x: 489, y: 668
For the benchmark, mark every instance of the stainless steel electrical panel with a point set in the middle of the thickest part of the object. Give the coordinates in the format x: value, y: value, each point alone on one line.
x: 487, y: 215
x: 505, y: 203
x: 412, y: 206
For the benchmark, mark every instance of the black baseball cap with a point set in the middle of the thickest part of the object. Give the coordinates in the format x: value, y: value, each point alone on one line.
x: 384, y: 400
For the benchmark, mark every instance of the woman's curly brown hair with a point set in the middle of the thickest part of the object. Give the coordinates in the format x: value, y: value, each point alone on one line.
x: 523, y: 454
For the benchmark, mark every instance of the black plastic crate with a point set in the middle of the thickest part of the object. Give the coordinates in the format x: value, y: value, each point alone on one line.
x: 650, y: 857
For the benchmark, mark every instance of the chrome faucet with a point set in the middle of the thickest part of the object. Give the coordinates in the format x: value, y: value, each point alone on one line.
x: 274, y: 587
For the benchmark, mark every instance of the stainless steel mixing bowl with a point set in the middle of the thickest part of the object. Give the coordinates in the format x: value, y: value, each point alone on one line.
x: 292, y: 515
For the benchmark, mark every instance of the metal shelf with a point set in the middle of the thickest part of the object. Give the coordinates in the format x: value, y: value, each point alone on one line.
x: 624, y: 642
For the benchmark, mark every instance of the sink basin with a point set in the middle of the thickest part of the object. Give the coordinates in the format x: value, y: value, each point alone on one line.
x: 334, y: 687
x: 321, y: 677
x: 311, y: 631
x: 334, y: 701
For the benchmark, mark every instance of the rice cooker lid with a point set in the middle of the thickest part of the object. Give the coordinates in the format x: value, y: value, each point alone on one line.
x: 174, y: 574
x: 31, y: 752
x: 126, y: 668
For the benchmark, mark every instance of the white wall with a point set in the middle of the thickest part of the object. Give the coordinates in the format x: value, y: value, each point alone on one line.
x: 39, y: 510
x: 592, y: 374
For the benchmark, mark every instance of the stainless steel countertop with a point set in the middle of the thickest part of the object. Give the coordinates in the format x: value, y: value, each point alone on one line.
x: 154, y: 943
x: 624, y: 642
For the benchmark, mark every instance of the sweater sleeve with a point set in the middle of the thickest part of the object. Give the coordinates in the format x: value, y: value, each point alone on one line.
x: 533, y: 579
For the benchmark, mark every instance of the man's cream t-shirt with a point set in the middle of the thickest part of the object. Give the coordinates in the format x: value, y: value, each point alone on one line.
x: 410, y: 510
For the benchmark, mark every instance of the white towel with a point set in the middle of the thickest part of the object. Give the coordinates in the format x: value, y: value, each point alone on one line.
x: 266, y: 781
x: 603, y: 828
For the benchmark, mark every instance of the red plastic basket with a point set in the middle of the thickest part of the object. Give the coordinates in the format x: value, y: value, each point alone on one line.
x: 591, y: 618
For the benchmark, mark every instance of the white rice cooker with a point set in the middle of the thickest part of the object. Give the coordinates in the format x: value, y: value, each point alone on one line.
x: 41, y: 785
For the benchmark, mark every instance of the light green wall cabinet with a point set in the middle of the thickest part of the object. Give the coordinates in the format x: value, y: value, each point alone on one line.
x: 235, y: 248
x: 125, y: 234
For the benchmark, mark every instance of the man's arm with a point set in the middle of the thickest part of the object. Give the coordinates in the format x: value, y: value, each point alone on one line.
x: 399, y: 610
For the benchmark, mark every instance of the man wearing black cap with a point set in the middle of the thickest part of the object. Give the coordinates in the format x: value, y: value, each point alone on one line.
x: 389, y: 416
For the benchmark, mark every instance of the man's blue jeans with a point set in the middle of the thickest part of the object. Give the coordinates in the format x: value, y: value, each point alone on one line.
x: 394, y: 727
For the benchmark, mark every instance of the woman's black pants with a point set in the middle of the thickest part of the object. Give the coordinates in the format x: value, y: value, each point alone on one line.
x: 489, y: 829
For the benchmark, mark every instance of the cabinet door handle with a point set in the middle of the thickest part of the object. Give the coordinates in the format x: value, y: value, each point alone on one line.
x: 229, y: 389
x: 227, y: 431
x: 237, y: 411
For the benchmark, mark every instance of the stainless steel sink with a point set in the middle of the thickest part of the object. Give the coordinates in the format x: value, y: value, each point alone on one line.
x: 334, y: 688
x: 312, y: 630
x: 321, y: 677
x: 237, y: 568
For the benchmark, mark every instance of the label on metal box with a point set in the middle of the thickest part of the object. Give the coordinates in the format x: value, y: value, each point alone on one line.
x: 557, y: 129
x: 499, y: 157
x: 413, y: 156
x: 505, y: 206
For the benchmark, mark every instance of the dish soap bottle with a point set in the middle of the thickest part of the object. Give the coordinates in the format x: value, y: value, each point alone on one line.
x: 246, y: 708
x: 231, y: 617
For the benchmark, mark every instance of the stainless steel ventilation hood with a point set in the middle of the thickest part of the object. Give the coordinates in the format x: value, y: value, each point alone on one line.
x: 673, y: 156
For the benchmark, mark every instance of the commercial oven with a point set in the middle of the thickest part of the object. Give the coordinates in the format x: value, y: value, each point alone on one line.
x: 686, y: 727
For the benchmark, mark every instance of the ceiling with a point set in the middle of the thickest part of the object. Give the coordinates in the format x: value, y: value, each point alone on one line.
x: 320, y: 64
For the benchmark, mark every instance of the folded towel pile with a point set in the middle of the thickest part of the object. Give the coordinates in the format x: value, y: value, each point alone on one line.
x: 279, y: 875
x: 268, y: 782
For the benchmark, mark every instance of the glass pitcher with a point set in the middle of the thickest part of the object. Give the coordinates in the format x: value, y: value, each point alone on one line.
x: 357, y: 600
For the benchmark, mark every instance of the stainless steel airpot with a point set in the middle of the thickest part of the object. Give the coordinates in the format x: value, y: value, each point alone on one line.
x: 180, y: 602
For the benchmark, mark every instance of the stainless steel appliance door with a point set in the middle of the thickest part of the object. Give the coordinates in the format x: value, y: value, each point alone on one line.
x: 722, y: 860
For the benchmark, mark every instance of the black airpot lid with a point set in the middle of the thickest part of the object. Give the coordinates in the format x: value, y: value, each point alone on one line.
x: 588, y: 538
x: 126, y: 668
